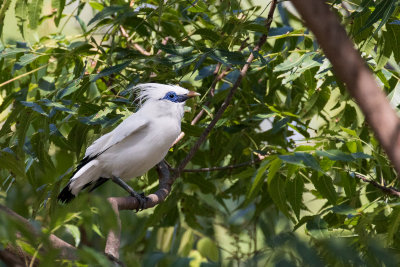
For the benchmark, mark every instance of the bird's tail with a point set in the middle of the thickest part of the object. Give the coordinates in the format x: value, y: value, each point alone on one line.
x: 66, y: 195
x: 87, y: 174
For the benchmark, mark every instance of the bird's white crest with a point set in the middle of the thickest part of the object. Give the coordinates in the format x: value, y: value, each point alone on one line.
x: 155, y: 91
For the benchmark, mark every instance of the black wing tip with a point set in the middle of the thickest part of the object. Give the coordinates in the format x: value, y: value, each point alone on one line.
x: 66, y: 195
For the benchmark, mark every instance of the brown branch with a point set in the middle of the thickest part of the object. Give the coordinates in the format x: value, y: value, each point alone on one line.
x: 229, y: 97
x: 351, y: 69
x: 388, y: 190
x: 134, y: 45
x: 198, y: 116
x: 212, y: 89
x: 229, y: 167
x: 216, y: 80
x: 15, y: 257
x: 131, y: 203
x: 16, y: 254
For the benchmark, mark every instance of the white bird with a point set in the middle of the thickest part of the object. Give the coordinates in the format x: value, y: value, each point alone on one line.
x: 134, y: 146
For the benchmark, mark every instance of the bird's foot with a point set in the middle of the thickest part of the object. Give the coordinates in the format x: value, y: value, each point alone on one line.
x: 142, y: 199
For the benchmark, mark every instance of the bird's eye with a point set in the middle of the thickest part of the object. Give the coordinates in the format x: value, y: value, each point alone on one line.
x: 171, y: 96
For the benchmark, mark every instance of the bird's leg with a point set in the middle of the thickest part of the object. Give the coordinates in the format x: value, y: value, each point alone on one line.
x: 140, y: 197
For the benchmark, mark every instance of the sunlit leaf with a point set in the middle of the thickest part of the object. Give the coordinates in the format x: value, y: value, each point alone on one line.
x: 208, y: 249
x: 35, y: 10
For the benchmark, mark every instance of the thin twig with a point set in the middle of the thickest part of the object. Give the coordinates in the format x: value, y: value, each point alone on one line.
x: 23, y: 75
x: 212, y: 90
x: 388, y: 190
x: 134, y: 45
x: 229, y: 97
x: 230, y: 167
x: 16, y: 254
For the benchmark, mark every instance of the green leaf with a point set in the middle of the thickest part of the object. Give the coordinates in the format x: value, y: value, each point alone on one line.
x: 186, y: 243
x: 358, y: 24
x: 206, y: 186
x: 21, y: 13
x: 105, y: 12
x: 59, y: 5
x: 176, y: 50
x: 349, y: 131
x: 208, y: 249
x: 35, y: 10
x: 93, y: 257
x: 8, y: 52
x: 227, y: 57
x: 382, y: 11
x: 71, y: 88
x: 25, y: 60
x: 335, y: 155
x: 81, y: 23
x: 3, y: 8
x: 344, y: 210
x: 393, y: 225
x: 198, y: 6
x: 255, y: 27
x: 9, y: 161
x: 317, y: 227
x: 394, y: 96
x: 339, y: 155
x: 277, y: 189
x: 191, y: 130
x: 325, y: 187
x: 301, y: 159
x: 46, y: 85
x: 74, y: 231
x: 295, y: 61
x: 393, y: 38
x: 208, y: 34
x: 349, y: 184
x: 294, y: 193
x: 96, y: 5
x: 110, y: 70
x: 35, y: 107
x: 257, y: 182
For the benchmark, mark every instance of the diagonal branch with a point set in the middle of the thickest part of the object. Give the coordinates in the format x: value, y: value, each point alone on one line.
x: 388, y: 190
x: 229, y: 97
x: 15, y: 255
x: 229, y: 167
x: 351, y: 69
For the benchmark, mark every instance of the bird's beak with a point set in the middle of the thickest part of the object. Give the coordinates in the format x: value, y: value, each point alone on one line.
x: 192, y: 94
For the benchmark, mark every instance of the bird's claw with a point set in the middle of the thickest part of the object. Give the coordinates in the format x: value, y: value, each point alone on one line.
x: 142, y: 199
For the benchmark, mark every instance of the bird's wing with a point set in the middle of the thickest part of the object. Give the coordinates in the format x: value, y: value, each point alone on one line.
x: 128, y: 127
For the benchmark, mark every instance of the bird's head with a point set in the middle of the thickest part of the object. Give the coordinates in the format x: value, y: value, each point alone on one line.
x: 164, y: 93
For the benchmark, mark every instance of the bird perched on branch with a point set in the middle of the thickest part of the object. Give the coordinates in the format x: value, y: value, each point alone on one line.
x: 134, y: 146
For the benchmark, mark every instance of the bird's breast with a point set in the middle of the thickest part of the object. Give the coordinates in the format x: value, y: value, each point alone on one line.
x: 141, y: 151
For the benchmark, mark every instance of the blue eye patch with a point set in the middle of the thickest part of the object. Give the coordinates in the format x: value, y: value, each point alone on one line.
x: 173, y: 97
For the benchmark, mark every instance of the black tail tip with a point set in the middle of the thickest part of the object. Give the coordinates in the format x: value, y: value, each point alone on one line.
x: 66, y: 195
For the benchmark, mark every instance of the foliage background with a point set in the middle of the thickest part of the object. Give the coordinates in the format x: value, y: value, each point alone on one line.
x: 303, y: 204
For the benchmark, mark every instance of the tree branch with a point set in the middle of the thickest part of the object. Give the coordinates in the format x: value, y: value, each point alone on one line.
x: 133, y: 45
x: 229, y: 97
x: 131, y: 203
x: 388, y: 190
x: 229, y: 167
x: 67, y: 251
x: 351, y: 69
x: 212, y: 90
